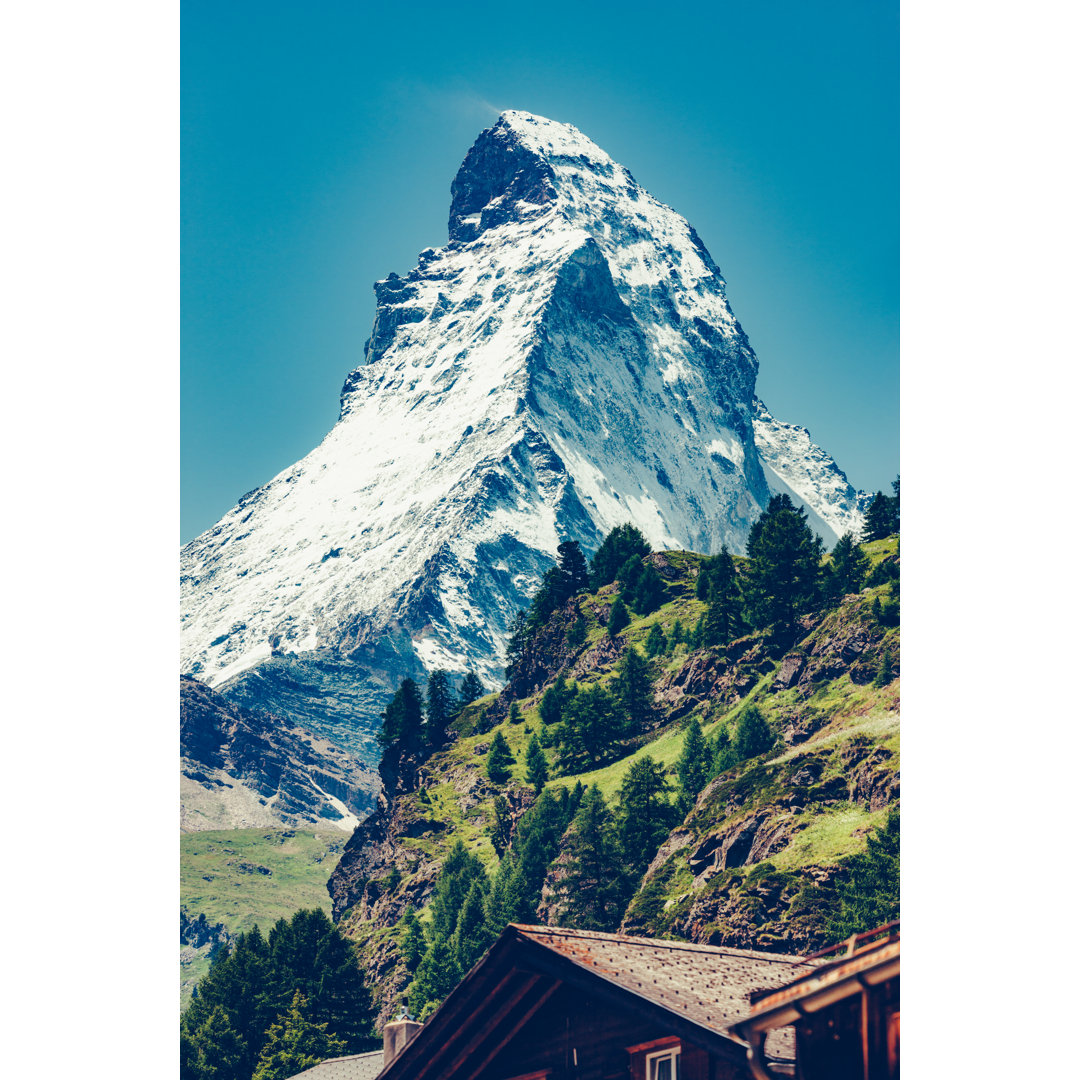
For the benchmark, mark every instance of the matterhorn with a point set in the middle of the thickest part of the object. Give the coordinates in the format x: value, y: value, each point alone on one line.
x: 567, y: 362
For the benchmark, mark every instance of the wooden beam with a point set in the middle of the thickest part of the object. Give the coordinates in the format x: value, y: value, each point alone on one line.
x: 496, y: 1018
x: 462, y: 1027
x: 518, y: 1024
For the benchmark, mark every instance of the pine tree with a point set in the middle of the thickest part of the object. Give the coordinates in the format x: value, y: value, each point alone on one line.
x: 752, y: 734
x: 647, y: 592
x: 471, y: 936
x: 536, y: 765
x: 501, y: 825
x: 514, y: 715
x: 694, y: 765
x: 868, y: 892
x: 404, y: 717
x: 655, y: 643
x: 644, y: 815
x: 551, y: 704
x: 723, y: 620
x: 576, y: 633
x: 676, y: 637
x: 884, y: 674
x: 220, y: 1051
x: 574, y: 568
x: 440, y: 707
x: 411, y: 941
x: 882, y: 517
x: 437, y: 974
x: 471, y: 688
x: 499, y: 759
x: 697, y: 635
x: 590, y: 887
x: 618, y: 618
x: 622, y: 543
x: 296, y: 1043
x: 847, y: 568
x: 592, y: 722
x: 633, y: 690
x: 782, y: 574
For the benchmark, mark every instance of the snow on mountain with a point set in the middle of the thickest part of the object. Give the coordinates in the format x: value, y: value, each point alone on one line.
x: 796, y: 466
x: 567, y: 362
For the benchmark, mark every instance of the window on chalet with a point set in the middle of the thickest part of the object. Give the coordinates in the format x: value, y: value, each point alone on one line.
x: 660, y: 1059
x: 663, y: 1065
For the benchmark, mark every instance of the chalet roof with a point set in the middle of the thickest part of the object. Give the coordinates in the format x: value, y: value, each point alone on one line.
x: 354, y: 1067
x: 707, y: 984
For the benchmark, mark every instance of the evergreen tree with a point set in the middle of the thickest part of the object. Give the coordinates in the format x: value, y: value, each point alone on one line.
x: 676, y: 637
x: 622, y: 543
x: 882, y: 517
x: 440, y: 707
x: 618, y: 618
x: 501, y: 826
x: 781, y: 578
x: 591, y: 886
x: 724, y: 756
x: 591, y: 725
x: 437, y: 974
x: 219, y: 1052
x: 633, y: 690
x: 536, y: 765
x: 499, y: 760
x: 752, y: 734
x: 576, y: 633
x: 555, y: 697
x: 645, y: 815
x: 296, y: 1043
x: 574, y: 569
x: 514, y: 715
x: 694, y: 765
x: 404, y: 716
x: 884, y: 674
x: 471, y: 936
x: 655, y: 643
x: 457, y: 875
x: 411, y: 941
x: 471, y: 688
x: 868, y: 892
x: 723, y: 620
x: 647, y: 592
x: 847, y: 569
x: 697, y: 635
x: 516, y: 647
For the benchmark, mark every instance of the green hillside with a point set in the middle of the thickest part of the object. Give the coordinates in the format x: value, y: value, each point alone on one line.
x: 828, y: 691
x: 246, y: 877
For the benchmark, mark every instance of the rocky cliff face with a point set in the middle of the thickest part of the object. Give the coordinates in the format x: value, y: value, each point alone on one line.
x: 241, y: 769
x: 566, y: 363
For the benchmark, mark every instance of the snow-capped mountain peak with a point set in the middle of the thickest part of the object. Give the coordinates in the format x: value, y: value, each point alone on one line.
x: 568, y: 361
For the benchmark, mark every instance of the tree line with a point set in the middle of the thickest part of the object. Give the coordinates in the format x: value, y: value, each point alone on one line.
x: 274, y: 1005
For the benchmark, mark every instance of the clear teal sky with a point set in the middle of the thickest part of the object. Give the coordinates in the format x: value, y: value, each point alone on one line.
x: 319, y: 142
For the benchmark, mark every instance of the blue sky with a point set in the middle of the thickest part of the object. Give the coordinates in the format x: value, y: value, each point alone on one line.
x: 319, y: 141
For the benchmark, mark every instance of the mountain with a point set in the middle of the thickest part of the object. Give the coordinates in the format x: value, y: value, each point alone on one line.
x: 240, y: 768
x: 753, y: 860
x: 566, y: 363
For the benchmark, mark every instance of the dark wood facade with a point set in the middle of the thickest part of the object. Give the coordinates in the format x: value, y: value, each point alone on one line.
x: 846, y: 1014
x: 546, y: 1004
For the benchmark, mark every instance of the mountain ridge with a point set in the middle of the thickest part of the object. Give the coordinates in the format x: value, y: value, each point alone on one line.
x: 568, y: 361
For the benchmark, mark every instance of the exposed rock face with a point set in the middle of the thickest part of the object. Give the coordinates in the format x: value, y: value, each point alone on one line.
x: 566, y: 363
x: 240, y: 768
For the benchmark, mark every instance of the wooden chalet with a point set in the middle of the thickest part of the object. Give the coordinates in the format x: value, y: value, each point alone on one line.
x: 846, y: 1014
x: 553, y: 1004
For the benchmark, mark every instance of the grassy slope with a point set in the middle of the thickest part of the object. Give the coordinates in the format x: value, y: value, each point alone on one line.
x: 851, y: 709
x: 220, y: 877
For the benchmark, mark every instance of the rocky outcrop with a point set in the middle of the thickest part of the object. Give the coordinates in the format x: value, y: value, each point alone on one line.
x: 242, y: 768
